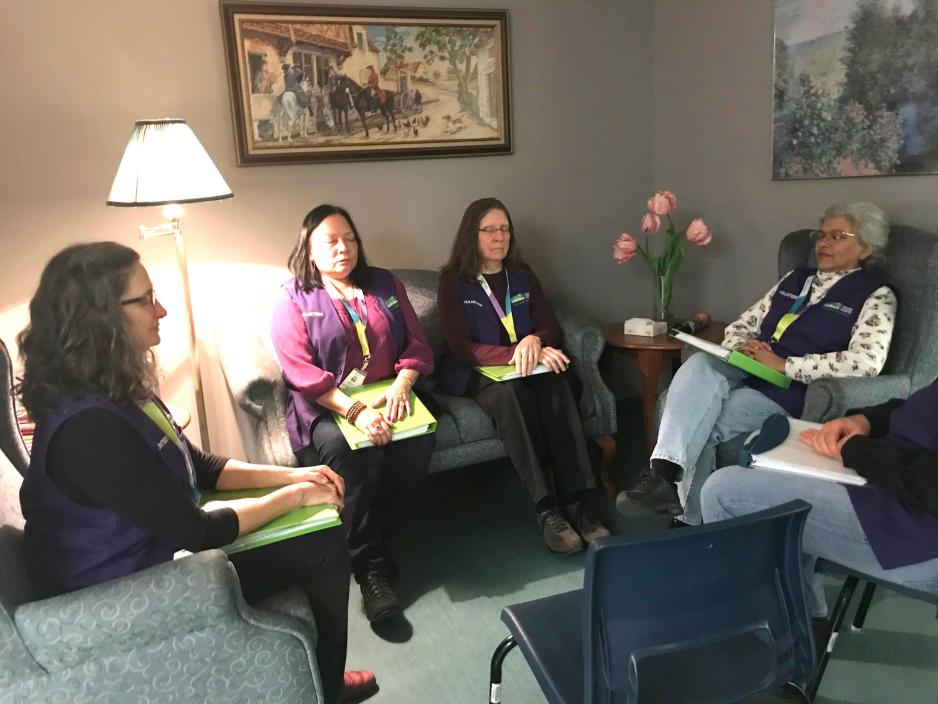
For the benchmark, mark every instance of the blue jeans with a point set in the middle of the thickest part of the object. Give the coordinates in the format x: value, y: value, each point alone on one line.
x: 707, y: 403
x: 832, y: 530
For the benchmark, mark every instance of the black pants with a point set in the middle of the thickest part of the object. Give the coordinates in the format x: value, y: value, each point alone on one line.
x: 537, y: 419
x: 319, y: 564
x: 381, y: 488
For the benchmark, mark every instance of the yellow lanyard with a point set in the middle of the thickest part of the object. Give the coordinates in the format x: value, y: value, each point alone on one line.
x: 360, y: 325
x: 504, y: 314
x: 794, y: 312
x: 161, y: 419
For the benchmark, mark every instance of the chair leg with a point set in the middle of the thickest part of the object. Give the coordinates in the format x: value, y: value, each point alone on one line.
x: 837, y: 619
x: 495, y: 673
x: 859, y: 618
x: 797, y: 691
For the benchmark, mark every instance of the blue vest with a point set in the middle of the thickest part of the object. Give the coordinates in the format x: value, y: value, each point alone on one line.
x: 327, y: 337
x: 898, y: 533
x: 70, y: 546
x: 484, y: 324
x: 824, y: 327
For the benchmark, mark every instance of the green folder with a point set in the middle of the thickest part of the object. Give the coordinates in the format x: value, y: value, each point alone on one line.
x: 419, y: 422
x: 504, y: 372
x: 748, y: 364
x: 300, y: 521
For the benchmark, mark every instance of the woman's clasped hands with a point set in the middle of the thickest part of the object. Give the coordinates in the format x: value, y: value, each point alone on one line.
x: 762, y: 352
x: 317, y: 485
x: 529, y: 352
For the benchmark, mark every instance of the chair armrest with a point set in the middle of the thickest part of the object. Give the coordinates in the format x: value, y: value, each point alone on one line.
x: 583, y: 342
x: 171, y: 600
x: 832, y: 398
x: 251, y: 372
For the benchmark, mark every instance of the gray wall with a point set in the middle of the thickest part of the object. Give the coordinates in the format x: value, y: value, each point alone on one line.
x: 77, y: 75
x: 712, y: 139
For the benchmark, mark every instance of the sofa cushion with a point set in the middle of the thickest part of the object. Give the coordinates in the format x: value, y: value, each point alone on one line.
x: 471, y: 422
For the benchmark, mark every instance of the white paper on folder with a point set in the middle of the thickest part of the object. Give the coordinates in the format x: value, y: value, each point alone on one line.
x: 796, y: 457
x: 709, y: 347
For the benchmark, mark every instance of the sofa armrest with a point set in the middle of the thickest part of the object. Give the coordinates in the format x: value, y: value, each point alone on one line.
x: 583, y: 342
x: 171, y: 600
x: 832, y: 398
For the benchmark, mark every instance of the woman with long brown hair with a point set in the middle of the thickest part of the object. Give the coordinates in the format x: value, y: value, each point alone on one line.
x: 494, y: 312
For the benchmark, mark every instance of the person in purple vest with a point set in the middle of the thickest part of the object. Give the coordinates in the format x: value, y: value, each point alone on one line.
x: 113, y: 485
x: 832, y: 321
x: 887, y: 528
x: 494, y: 312
x: 340, y: 324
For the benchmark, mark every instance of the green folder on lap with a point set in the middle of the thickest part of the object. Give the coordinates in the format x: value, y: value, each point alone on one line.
x: 504, y: 372
x: 737, y: 359
x: 419, y: 422
x: 300, y: 521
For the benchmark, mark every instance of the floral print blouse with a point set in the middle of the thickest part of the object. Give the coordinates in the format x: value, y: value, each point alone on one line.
x: 869, y: 342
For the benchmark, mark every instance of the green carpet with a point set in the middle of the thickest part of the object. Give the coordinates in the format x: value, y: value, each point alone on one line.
x: 471, y: 548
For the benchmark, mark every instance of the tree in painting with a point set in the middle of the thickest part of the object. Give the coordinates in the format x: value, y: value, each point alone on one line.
x: 459, y: 47
x: 858, y: 99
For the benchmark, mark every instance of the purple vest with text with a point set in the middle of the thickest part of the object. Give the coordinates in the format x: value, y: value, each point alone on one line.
x: 824, y: 327
x: 900, y: 534
x: 69, y: 545
x: 327, y: 337
x: 484, y: 323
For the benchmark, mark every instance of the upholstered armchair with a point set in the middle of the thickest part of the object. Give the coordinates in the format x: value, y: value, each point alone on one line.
x: 177, y: 632
x: 911, y: 270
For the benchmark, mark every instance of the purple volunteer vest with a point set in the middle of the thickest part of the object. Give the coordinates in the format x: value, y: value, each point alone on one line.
x: 70, y: 546
x: 327, y: 337
x: 485, y: 325
x: 824, y: 327
x: 900, y: 534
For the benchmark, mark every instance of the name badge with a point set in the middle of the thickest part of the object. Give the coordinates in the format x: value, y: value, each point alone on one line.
x: 355, y: 379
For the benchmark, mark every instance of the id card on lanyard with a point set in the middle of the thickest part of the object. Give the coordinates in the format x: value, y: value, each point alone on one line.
x: 356, y: 377
x: 796, y: 310
x: 504, y: 314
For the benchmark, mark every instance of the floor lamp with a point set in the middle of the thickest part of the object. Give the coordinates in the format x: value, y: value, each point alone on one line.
x: 165, y: 164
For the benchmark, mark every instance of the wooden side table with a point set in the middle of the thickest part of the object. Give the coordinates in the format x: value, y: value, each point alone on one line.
x: 651, y: 353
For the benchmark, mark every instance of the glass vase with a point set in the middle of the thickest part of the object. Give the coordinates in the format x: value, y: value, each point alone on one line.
x: 661, y: 305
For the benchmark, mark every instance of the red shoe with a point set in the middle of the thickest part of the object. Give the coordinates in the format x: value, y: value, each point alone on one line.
x: 358, y: 685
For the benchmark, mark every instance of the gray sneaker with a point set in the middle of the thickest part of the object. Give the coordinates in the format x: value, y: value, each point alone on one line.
x: 587, y: 525
x: 557, y: 532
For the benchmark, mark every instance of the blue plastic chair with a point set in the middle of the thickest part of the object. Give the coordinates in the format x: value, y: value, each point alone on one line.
x: 700, y: 615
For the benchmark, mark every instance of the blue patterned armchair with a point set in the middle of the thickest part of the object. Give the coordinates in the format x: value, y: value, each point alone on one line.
x: 177, y: 632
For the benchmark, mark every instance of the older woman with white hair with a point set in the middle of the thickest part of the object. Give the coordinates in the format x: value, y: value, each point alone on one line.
x: 832, y: 321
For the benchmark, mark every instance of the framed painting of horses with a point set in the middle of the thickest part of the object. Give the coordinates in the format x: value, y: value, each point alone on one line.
x: 339, y: 83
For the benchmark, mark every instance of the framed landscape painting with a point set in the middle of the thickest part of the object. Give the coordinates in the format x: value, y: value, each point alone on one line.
x: 329, y: 83
x: 856, y: 88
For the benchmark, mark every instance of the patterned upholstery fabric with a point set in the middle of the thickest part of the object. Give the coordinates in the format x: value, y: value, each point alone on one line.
x: 177, y: 632
x: 464, y: 435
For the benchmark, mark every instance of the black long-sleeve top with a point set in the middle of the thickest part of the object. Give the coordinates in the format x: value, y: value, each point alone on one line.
x: 910, y: 473
x: 98, y: 459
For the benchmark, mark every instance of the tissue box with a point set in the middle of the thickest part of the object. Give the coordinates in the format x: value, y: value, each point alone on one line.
x: 644, y: 327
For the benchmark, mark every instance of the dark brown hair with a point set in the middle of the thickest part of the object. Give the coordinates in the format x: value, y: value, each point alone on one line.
x: 465, y: 258
x: 76, y: 341
x: 302, y: 266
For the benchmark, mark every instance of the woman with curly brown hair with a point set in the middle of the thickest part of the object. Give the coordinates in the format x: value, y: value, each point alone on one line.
x: 113, y: 484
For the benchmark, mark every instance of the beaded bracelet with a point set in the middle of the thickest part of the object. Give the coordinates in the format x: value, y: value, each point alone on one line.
x: 351, y: 415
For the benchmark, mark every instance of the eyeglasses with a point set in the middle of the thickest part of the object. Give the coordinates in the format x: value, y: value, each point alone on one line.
x: 147, y: 299
x: 833, y: 235
x: 492, y: 229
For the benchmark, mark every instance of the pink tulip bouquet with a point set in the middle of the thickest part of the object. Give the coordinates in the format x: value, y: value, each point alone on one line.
x: 665, y: 264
